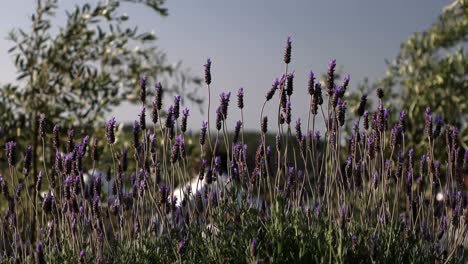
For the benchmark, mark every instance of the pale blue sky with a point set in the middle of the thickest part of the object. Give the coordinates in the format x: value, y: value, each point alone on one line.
x: 245, y: 40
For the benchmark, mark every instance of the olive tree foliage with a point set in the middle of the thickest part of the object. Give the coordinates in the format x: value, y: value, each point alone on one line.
x: 431, y: 71
x: 76, y: 72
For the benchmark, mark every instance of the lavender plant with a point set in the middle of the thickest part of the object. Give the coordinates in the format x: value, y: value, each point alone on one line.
x: 306, y: 198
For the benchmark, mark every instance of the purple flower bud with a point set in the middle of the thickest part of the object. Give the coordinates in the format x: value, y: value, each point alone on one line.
x: 224, y: 103
x: 185, y: 115
x: 380, y: 93
x: 208, y: 72
x: 375, y: 180
x: 70, y: 144
x: 362, y: 105
x: 143, y: 89
x: 170, y: 118
x: 311, y: 87
x: 289, y: 84
x: 346, y: 81
x: 288, y: 113
x: 402, y: 120
x: 438, y: 126
x: 366, y: 120
x: 175, y: 153
x: 219, y: 118
x: 110, y: 126
x: 428, y: 126
x: 203, y: 133
x: 39, y: 254
x: 47, y: 205
x: 254, y: 246
x: 237, y: 132
x: 143, y: 118
x: 331, y: 76
x: 10, y: 148
x: 82, y: 256
x: 181, y: 247
x: 181, y: 142
x: 272, y: 91
x: 158, y: 96
x: 176, y: 106
x: 264, y: 124
x: 136, y: 135
x: 341, y: 112
x: 287, y: 51
x: 240, y: 98
x: 298, y: 130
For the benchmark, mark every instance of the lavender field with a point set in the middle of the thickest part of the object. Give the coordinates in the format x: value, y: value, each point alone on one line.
x: 351, y: 183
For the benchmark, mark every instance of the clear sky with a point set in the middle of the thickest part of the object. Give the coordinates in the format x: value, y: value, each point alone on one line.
x: 245, y: 40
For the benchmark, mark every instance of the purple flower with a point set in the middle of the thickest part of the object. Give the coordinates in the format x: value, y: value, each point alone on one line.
x: 224, y: 103
x: 237, y: 131
x: 39, y: 254
x: 47, y: 205
x: 289, y: 84
x: 287, y: 51
x: 331, y: 76
x: 218, y: 164
x: 362, y: 105
x: 438, y: 127
x: 185, y: 114
x: 110, y: 126
x: 10, y: 148
x: 170, y: 118
x: 298, y: 130
x: 181, y: 142
x: 346, y: 81
x: 158, y: 96
x: 375, y: 180
x: 56, y: 137
x: 219, y: 118
x: 264, y: 124
x: 380, y: 93
x: 143, y: 118
x: 288, y: 113
x: 203, y: 133
x: 272, y: 91
x: 253, y: 248
x: 82, y: 256
x: 240, y: 98
x: 428, y: 124
x: 70, y: 144
x: 181, y: 247
x: 176, y: 109
x: 278, y: 142
x: 136, y: 135
x: 143, y: 89
x: 341, y: 111
x: 208, y: 72
x: 366, y: 120
x: 175, y: 152
x: 311, y: 86
x: 402, y: 120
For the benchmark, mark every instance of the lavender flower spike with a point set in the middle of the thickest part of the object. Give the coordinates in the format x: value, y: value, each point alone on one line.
x: 208, y: 72
x: 287, y: 51
x: 240, y: 98
x: 110, y: 126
